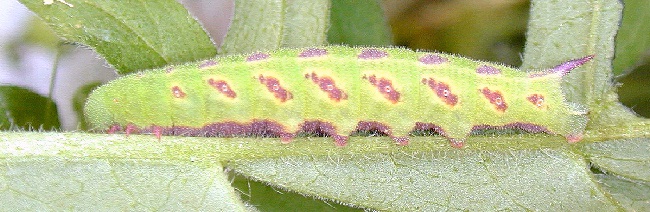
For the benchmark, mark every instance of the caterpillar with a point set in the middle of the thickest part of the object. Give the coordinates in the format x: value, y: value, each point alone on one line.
x: 335, y: 91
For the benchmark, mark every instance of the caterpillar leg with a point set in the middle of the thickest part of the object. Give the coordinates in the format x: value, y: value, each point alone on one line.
x: 114, y: 128
x: 130, y: 128
x: 400, y: 140
x: 573, y: 138
x: 286, y: 138
x: 457, y: 142
x: 157, y: 131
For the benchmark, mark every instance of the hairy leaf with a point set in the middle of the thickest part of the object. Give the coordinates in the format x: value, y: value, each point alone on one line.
x: 44, y: 183
x: 271, y: 24
x: 629, y: 158
x: 633, y: 196
x: 633, y: 39
x: 571, y: 29
x: 359, y: 22
x: 131, y: 35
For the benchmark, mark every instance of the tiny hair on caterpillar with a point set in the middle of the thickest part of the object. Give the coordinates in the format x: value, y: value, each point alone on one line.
x: 335, y: 91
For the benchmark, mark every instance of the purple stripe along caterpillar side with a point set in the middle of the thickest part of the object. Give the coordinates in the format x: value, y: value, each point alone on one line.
x: 336, y: 90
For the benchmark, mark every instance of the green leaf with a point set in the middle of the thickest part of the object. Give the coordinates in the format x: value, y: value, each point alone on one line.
x: 436, y: 181
x: 271, y: 24
x: 33, y: 184
x: 131, y: 35
x: 267, y: 198
x: 633, y: 38
x: 629, y: 158
x: 489, y: 174
x: 563, y: 30
x: 611, y: 113
x: 633, y: 92
x: 24, y: 109
x: 359, y: 22
x: 633, y: 196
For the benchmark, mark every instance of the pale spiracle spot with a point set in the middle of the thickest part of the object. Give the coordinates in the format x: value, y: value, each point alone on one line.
x: 177, y: 92
x: 387, y: 89
x: 498, y: 101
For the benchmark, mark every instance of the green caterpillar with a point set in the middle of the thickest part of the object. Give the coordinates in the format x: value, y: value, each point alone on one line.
x: 335, y: 91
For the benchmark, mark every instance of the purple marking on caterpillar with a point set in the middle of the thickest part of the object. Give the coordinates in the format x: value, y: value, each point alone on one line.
x: 488, y: 70
x: 528, y: 127
x: 564, y: 68
x: 313, y: 52
x: 456, y: 143
x: 383, y: 128
x: 263, y: 128
x: 432, y: 59
x: 327, y: 85
x: 169, y: 69
x: 257, y: 56
x: 222, y: 87
x: 385, y: 87
x: 495, y: 98
x: 256, y: 127
x: 324, y: 128
x: 371, y: 54
x: 208, y: 64
x: 430, y: 126
x: 441, y: 90
x: 178, y: 92
x: 273, y: 85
